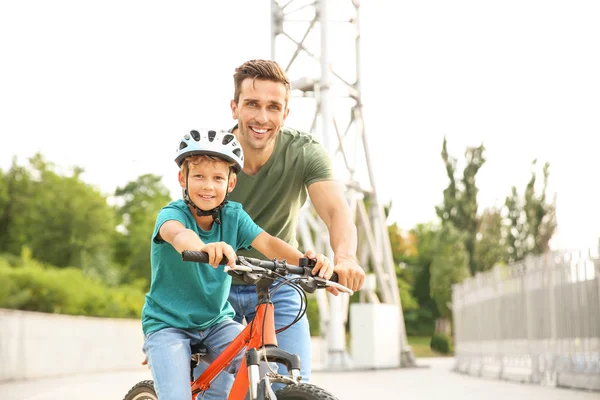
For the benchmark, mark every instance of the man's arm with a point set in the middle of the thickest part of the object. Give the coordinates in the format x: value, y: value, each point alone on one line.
x: 329, y: 202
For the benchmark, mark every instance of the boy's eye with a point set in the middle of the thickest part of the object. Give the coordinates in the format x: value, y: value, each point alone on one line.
x: 274, y: 108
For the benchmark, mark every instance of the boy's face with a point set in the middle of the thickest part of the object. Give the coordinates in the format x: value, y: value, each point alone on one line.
x: 207, y: 182
x: 260, y: 111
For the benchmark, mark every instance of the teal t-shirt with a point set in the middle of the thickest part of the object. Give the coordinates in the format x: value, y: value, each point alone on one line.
x: 190, y: 295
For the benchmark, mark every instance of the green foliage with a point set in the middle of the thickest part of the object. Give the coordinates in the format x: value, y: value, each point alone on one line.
x: 419, y: 322
x: 313, y: 315
x: 460, y: 198
x: 139, y: 203
x: 531, y: 220
x: 63, y: 220
x: 441, y: 343
x: 35, y: 287
x: 491, y: 245
x: 416, y: 251
x: 449, y: 266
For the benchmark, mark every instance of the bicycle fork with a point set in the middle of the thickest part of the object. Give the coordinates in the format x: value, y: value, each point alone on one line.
x: 261, y: 388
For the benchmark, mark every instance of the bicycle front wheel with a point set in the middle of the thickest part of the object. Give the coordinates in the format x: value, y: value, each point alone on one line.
x: 143, y: 390
x: 303, y: 391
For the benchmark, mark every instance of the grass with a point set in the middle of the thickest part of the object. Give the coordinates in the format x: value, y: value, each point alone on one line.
x: 420, y: 347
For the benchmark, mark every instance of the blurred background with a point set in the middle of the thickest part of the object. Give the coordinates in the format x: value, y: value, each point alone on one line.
x: 475, y: 151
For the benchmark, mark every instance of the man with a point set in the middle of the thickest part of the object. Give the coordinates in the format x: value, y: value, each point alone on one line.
x: 281, y: 167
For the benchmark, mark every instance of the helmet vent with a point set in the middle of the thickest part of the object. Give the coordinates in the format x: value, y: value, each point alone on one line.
x: 237, y: 152
x: 195, y: 135
x: 228, y: 138
x: 211, y: 135
x: 182, y: 145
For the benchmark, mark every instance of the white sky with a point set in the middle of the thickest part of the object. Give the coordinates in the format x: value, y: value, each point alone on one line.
x: 109, y: 86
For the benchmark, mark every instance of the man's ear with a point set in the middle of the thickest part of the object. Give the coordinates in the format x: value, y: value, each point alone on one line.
x: 286, y: 113
x: 233, y: 106
x: 232, y: 182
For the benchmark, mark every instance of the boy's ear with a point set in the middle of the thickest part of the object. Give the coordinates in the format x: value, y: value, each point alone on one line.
x: 181, y: 179
x: 232, y: 182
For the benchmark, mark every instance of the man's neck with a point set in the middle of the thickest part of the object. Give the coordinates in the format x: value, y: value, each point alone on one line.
x: 255, y: 159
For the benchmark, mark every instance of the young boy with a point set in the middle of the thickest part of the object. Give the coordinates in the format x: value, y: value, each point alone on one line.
x: 187, y: 302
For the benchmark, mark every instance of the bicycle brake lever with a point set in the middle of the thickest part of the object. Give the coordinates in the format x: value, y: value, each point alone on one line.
x: 325, y: 283
x: 309, y: 286
x: 242, y: 268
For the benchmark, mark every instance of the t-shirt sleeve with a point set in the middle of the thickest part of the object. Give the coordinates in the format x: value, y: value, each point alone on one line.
x: 247, y: 231
x: 166, y: 214
x: 318, y: 164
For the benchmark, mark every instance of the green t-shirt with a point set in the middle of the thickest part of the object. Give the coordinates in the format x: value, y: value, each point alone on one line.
x: 190, y: 295
x: 273, y: 196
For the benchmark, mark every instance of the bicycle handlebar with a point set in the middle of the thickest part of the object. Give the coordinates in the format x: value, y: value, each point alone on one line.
x: 242, y: 261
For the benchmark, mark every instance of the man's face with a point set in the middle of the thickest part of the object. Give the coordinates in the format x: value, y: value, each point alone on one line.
x: 261, y: 111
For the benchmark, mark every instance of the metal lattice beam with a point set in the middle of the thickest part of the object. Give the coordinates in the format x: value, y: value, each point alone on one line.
x: 301, y: 32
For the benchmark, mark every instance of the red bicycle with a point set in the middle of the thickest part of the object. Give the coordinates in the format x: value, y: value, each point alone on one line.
x: 258, y: 339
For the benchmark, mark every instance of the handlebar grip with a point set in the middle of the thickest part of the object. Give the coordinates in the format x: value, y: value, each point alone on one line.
x: 199, y: 256
x: 334, y: 277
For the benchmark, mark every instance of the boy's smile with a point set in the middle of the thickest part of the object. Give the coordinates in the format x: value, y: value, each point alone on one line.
x: 208, y: 182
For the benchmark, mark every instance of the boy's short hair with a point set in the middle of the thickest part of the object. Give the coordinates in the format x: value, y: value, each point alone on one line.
x: 267, y: 70
x: 197, y: 159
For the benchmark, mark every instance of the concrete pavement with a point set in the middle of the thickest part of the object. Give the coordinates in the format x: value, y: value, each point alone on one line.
x: 433, y: 380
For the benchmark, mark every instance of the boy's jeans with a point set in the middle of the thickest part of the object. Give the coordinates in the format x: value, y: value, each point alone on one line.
x: 295, y: 340
x: 169, y: 355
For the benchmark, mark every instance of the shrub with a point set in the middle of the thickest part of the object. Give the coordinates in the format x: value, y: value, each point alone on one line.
x: 441, y: 343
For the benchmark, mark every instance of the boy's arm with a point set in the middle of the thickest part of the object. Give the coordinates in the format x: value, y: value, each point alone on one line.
x: 273, y: 247
x: 329, y: 202
x: 182, y: 238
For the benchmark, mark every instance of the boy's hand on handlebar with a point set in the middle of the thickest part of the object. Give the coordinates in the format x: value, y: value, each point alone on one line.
x: 350, y: 274
x: 323, y: 267
x: 216, y: 251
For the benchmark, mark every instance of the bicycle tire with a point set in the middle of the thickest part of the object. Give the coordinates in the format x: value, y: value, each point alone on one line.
x: 143, y: 390
x: 303, y: 391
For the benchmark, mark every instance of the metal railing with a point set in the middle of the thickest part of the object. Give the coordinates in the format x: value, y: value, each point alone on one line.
x: 537, y: 320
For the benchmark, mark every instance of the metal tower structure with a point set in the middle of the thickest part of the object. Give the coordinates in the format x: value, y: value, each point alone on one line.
x: 326, y: 84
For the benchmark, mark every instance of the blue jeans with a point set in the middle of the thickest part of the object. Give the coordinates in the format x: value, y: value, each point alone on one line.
x: 295, y: 340
x: 169, y: 355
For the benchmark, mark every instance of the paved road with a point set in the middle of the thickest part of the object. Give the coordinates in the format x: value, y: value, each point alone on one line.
x: 434, y: 380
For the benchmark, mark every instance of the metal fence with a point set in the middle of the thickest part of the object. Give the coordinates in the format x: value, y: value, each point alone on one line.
x: 536, y: 321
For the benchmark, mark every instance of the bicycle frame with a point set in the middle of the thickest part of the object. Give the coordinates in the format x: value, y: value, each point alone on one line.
x: 258, y: 336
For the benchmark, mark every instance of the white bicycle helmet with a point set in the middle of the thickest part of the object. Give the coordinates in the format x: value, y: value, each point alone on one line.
x: 220, y: 144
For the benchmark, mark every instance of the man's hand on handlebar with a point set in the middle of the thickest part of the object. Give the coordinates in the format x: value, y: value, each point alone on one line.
x: 216, y: 251
x: 350, y: 274
x: 323, y: 267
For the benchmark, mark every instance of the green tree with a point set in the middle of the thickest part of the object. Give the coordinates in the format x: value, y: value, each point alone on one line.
x: 138, y: 202
x: 417, y: 255
x: 64, y: 221
x: 541, y: 215
x: 531, y: 220
x: 491, y: 247
x: 460, y: 198
x: 74, y: 217
x: 450, y: 265
x: 15, y: 199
